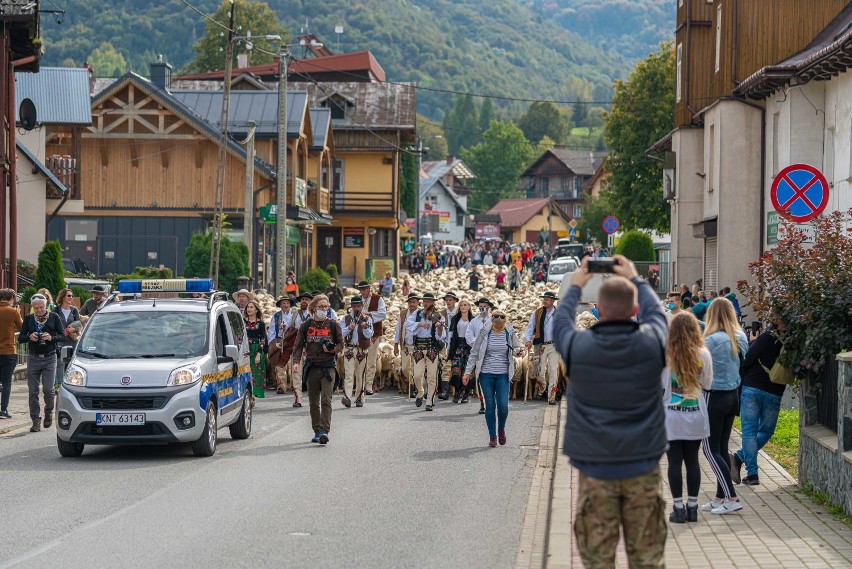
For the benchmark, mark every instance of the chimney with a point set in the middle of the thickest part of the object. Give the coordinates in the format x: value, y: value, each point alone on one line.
x: 242, y: 60
x: 161, y: 73
x: 450, y: 159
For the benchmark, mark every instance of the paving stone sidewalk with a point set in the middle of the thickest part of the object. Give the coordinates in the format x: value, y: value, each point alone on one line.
x: 18, y: 408
x: 776, y: 528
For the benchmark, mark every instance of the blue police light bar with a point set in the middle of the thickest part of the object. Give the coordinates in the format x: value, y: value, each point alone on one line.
x: 166, y: 285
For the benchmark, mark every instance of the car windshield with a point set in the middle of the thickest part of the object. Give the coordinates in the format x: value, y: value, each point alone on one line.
x: 562, y: 268
x: 145, y: 334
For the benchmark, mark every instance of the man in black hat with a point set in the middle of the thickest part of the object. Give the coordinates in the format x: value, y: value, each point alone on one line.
x: 376, y: 310
x: 400, y: 337
x: 281, y: 328
x: 91, y: 305
x: 427, y: 330
x: 447, y: 313
x: 357, y: 331
x: 539, y: 333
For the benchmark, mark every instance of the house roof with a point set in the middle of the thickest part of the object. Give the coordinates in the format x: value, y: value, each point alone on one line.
x: 582, y: 163
x: 51, y: 178
x: 433, y: 171
x: 828, y: 54
x: 376, y: 105
x: 516, y: 212
x: 60, y: 94
x: 363, y: 61
x: 259, y: 106
x: 165, y: 98
x: 428, y: 183
x: 321, y: 127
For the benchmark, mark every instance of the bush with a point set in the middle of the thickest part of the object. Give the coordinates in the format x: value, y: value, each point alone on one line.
x: 636, y: 246
x: 331, y: 269
x: 314, y: 279
x: 25, y: 269
x: 233, y: 260
x: 153, y: 273
x: 49, y: 273
x: 81, y: 293
x: 28, y: 293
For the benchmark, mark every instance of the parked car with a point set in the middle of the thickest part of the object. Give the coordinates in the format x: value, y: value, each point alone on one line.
x: 75, y: 266
x: 560, y: 267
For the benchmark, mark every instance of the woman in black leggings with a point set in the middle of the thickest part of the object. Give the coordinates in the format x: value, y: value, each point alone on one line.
x: 688, y: 376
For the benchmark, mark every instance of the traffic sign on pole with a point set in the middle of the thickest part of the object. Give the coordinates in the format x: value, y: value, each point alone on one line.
x: 572, y: 224
x: 799, y: 193
x: 610, y: 224
x: 572, y: 233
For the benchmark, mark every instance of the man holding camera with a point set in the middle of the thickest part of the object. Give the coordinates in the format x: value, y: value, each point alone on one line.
x: 615, y: 428
x: 357, y: 331
x: 41, y: 330
x: 320, y: 338
x: 426, y: 329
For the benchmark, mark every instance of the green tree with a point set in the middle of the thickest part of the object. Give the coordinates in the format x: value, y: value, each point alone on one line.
x: 580, y: 114
x: 314, y: 279
x: 249, y: 16
x: 486, y: 114
x: 233, y: 260
x: 434, y: 142
x: 498, y: 161
x: 543, y: 119
x: 636, y: 246
x: 408, y: 184
x: 107, y: 61
x: 594, y: 212
x: 461, y: 125
x: 50, y: 274
x: 642, y: 113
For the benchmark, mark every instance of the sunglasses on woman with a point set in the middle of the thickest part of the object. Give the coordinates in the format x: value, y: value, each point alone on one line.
x: 498, y: 317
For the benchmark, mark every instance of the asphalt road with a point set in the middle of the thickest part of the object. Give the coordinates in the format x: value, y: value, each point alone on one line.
x: 395, y: 487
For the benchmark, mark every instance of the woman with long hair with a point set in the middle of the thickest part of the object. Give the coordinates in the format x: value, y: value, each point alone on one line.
x: 727, y: 344
x: 256, y: 333
x: 68, y: 315
x: 689, y: 373
x: 459, y: 351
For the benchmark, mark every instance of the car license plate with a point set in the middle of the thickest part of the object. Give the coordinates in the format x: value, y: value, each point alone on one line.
x: 120, y: 418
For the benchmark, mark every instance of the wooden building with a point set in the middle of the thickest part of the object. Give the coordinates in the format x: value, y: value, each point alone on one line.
x: 561, y: 173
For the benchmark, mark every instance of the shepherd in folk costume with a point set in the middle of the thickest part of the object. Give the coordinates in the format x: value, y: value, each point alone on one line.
x: 426, y: 329
x: 401, y: 337
x: 282, y: 338
x: 357, y: 332
x: 376, y: 310
x: 539, y: 335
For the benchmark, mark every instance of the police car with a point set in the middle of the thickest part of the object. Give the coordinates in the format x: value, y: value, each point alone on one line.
x: 149, y: 369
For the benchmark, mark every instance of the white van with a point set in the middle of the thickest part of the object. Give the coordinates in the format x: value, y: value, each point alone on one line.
x: 157, y: 370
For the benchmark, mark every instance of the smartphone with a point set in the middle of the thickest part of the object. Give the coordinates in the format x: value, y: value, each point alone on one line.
x: 602, y: 265
x: 756, y: 326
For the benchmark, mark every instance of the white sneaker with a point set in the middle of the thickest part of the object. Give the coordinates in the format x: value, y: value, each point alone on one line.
x: 710, y: 506
x: 727, y: 508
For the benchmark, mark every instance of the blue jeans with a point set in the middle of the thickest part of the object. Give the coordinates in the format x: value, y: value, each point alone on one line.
x: 759, y: 415
x: 495, y: 390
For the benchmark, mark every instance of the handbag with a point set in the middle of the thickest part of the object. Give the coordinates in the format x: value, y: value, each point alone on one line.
x: 778, y: 373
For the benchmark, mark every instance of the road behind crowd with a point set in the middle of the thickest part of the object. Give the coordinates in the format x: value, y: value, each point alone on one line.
x: 395, y: 487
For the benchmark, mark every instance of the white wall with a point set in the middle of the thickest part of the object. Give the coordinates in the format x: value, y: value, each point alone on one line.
x: 31, y: 198
x: 687, y: 251
x: 445, y: 203
x: 838, y: 116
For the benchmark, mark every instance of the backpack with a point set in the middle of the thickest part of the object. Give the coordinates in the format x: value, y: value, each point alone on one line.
x: 778, y: 373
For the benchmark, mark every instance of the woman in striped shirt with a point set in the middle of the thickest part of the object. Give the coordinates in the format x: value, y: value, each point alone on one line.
x: 492, y: 358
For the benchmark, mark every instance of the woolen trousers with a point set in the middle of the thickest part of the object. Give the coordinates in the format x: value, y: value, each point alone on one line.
x: 40, y: 375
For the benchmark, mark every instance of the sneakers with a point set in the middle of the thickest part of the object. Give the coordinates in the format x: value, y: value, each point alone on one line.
x: 727, y: 508
x: 369, y: 392
x: 346, y: 402
x: 418, y: 402
x: 316, y: 437
x: 482, y: 410
x: 736, y: 464
x: 428, y: 407
x: 711, y: 505
x: 323, y: 437
x: 5, y: 415
x: 359, y: 403
x: 492, y: 442
x: 501, y: 436
x: 36, y: 426
x: 48, y: 421
x: 551, y: 401
x: 465, y: 398
x: 678, y: 516
x: 456, y: 398
x: 751, y: 480
x: 691, y: 513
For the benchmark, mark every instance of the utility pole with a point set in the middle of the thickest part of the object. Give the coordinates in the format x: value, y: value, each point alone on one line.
x: 281, y: 207
x: 417, y: 231
x: 248, y: 214
x: 216, y: 243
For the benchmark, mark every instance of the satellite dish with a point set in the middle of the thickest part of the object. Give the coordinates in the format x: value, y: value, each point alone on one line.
x: 27, y: 114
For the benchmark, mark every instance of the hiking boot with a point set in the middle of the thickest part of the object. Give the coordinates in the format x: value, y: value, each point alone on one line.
x: 678, y: 516
x: 297, y: 404
x: 751, y: 480
x: 465, y: 398
x: 736, y: 464
x: 346, y: 402
x: 323, y: 437
x: 418, y: 402
x: 692, y: 513
x: 36, y: 426
x: 48, y: 421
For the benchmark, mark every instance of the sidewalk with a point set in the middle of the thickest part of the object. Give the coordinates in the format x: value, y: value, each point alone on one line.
x: 18, y: 405
x: 776, y: 527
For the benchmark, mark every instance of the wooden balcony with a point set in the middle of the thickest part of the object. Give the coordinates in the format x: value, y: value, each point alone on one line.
x: 64, y: 167
x: 319, y: 198
x: 372, y: 203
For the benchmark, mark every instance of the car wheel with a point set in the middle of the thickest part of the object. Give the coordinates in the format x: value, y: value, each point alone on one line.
x: 206, y: 444
x: 241, y: 428
x: 69, y: 449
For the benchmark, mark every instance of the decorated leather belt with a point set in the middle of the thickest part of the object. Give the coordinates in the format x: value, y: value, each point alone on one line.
x: 351, y: 346
x: 547, y: 343
x: 422, y: 343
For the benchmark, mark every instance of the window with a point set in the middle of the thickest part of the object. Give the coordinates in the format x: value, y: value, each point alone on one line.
x: 459, y: 218
x: 81, y: 230
x: 381, y: 243
x: 564, y: 183
x: 678, y: 76
x: 338, y: 106
x: 578, y: 210
x: 237, y: 328
x: 543, y: 185
x: 337, y: 176
x: 718, y: 36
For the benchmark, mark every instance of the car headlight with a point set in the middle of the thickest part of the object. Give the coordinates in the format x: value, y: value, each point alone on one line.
x: 185, y: 376
x: 75, y: 376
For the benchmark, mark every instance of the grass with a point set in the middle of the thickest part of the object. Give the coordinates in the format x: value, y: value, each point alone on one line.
x: 783, y: 447
x: 821, y: 498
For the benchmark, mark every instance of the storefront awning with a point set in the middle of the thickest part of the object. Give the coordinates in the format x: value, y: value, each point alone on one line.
x: 305, y: 216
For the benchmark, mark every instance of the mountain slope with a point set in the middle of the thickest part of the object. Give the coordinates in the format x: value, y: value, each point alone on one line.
x: 509, y: 48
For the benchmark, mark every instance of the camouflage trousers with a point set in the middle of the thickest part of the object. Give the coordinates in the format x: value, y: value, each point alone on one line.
x: 632, y: 504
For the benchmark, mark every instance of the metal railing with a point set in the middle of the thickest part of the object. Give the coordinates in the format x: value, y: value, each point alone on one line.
x: 362, y: 201
x: 826, y: 397
x: 23, y: 351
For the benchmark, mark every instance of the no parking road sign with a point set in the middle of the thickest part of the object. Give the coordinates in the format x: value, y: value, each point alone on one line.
x: 799, y: 193
x: 610, y: 224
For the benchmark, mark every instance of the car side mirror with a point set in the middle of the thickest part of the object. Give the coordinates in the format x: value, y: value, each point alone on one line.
x: 66, y: 351
x: 232, y: 352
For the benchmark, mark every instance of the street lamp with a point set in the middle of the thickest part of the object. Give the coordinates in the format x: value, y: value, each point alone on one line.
x: 420, y: 150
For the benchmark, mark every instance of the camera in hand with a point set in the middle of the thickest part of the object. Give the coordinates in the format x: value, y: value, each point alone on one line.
x: 41, y: 341
x: 327, y: 345
x: 602, y: 265
x: 756, y: 326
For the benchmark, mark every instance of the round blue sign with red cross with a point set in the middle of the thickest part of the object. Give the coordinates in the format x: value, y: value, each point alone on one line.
x: 610, y: 224
x: 799, y: 193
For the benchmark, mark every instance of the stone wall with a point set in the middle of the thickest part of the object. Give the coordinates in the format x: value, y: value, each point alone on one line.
x: 825, y: 456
